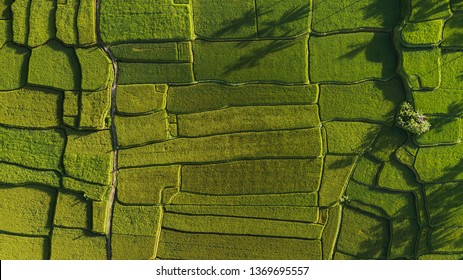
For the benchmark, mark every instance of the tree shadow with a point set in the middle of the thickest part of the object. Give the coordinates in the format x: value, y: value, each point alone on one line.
x: 424, y: 9
x: 246, y: 20
x: 287, y: 18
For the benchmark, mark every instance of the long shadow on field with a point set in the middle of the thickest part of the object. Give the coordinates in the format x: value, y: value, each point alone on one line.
x: 248, y: 19
x: 427, y: 8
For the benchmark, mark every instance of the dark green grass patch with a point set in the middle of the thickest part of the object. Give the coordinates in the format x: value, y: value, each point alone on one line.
x: 366, y: 171
x: 28, y: 209
x: 136, y: 220
x: 267, y: 60
x: 440, y: 164
x: 442, y: 256
x: 278, y: 19
x: 453, y: 32
x: 350, y: 137
x: 389, y: 140
x: 273, y: 144
x: 54, y: 65
x: 94, y: 109
x: 41, y: 22
x: 423, y: 10
x: 190, y: 246
x: 144, y: 185
x: 291, y: 199
x: 375, y: 101
x: 100, y: 216
x: 66, y: 22
x: 332, y: 57
x: 153, y: 52
x: 404, y: 234
x: 136, y: 130
x: 457, y: 5
x: 14, y: 247
x: 331, y: 231
x: 73, y: 211
x: 231, y: 19
x: 5, y: 9
x: 440, y: 101
x: 6, y: 32
x: 86, y: 23
x: 451, y: 70
x: 444, y: 130
x: 396, y: 176
x: 11, y: 174
x: 422, y: 68
x: 140, y: 99
x: 88, y: 156
x: 144, y: 20
x: 31, y: 107
x: 75, y: 244
x: 40, y: 149
x: 71, y: 105
x: 90, y: 191
x: 243, y: 226
x: 336, y: 174
x: 355, y: 14
x: 133, y: 247
x: 203, y: 97
x: 20, y: 10
x: 253, y: 177
x: 286, y: 213
x: 249, y: 118
x: 96, y: 67
x: 155, y: 73
x: 447, y: 240
x: 444, y: 204
x: 14, y: 76
x: 423, y: 33
x: 363, y: 236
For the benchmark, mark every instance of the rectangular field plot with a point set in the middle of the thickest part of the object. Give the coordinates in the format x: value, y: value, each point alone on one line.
x: 41, y: 22
x: 350, y: 137
x: 11, y: 174
x: 190, y: 246
x: 352, y: 57
x: 75, y: 244
x: 208, y: 96
x: 136, y: 220
x: 153, y: 52
x: 155, y: 73
x: 73, y: 211
x: 445, y: 209
x: 274, y: 144
x: 133, y: 247
x: 14, y: 247
x: 439, y: 164
x: 137, y: 130
x: 252, y: 177
x: 66, y: 21
x: 255, y: 118
x: 140, y: 98
x: 283, y: 61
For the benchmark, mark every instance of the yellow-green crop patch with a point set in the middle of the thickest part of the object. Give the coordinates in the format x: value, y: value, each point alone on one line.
x: 350, y: 137
x: 423, y: 33
x: 423, y: 68
x: 66, y: 22
x: 439, y: 164
x: 136, y: 220
x: 41, y: 22
x: 153, y: 52
x: 423, y: 10
x: 15, y: 75
x: 11, y: 174
x: 72, y: 211
x: 155, y: 73
x: 13, y: 247
x: 74, y: 244
x: 137, y: 130
x: 140, y: 99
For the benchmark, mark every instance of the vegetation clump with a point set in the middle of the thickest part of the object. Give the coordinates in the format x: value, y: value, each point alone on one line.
x: 411, y: 120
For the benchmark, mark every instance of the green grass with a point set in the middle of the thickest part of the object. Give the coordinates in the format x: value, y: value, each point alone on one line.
x: 21, y: 12
x: 331, y: 16
x: 140, y: 99
x: 363, y: 236
x: 252, y: 177
x: 404, y: 234
x: 336, y: 173
x: 422, y: 68
x: 41, y: 149
x: 133, y: 247
x: 66, y: 22
x: 54, y: 65
x: 90, y: 191
x: 155, y: 73
x: 86, y: 23
x: 441, y: 101
x: 41, y: 22
x: 330, y: 232
x: 136, y: 130
x: 144, y: 185
x: 14, y: 247
x: 6, y: 33
x: 11, y: 174
x: 94, y: 109
x: 452, y: 32
x: 74, y: 244
x: 447, y: 240
x: 214, y: 19
x: 283, y: 61
x: 15, y: 75
x: 374, y: 101
x: 88, y: 156
x: 366, y: 171
x: 424, y: 10
x: 389, y: 140
x: 208, y: 96
x: 96, y: 67
x: 136, y: 220
x: 31, y: 107
x: 153, y: 52
x: 350, y: 137
x: 457, y: 5
x: 73, y: 211
x: 273, y: 144
x: 29, y: 209
x: 427, y: 33
x: 445, y: 209
x: 180, y: 245
x: 332, y: 57
x: 451, y: 70
x: 439, y: 164
x: 144, y: 20
x: 396, y: 176
x: 296, y: 199
x: 404, y: 157
x: 277, y: 19
x: 444, y: 130
x: 71, y: 105
x: 249, y: 118
x: 242, y: 226
x: 285, y: 213
x: 443, y: 257
x: 100, y: 216
x: 380, y: 202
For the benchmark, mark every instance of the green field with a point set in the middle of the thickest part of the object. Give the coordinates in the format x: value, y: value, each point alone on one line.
x: 238, y: 129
